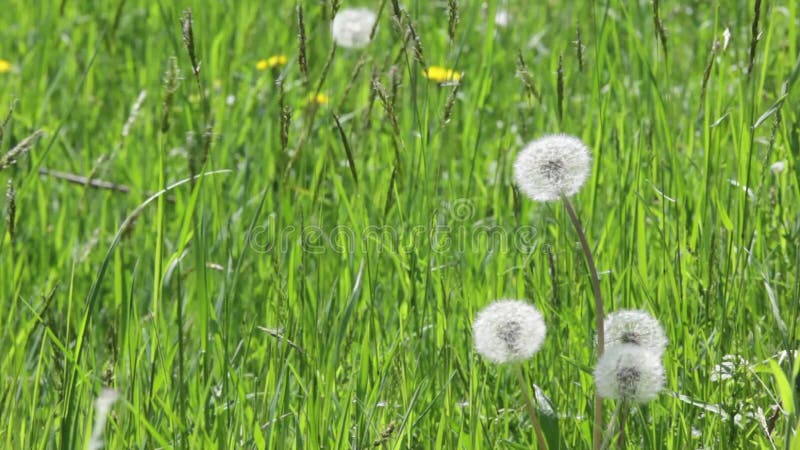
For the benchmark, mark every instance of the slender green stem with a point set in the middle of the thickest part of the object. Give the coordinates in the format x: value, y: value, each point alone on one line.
x: 598, y: 297
x: 599, y: 314
x: 526, y: 394
x: 623, y: 418
x: 616, y: 418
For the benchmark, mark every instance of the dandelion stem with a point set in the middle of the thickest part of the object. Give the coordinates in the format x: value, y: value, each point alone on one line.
x: 623, y: 418
x: 599, y: 315
x: 526, y: 394
x: 616, y: 418
x: 587, y: 252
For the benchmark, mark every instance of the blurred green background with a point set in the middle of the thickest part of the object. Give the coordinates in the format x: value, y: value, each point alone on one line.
x: 318, y: 292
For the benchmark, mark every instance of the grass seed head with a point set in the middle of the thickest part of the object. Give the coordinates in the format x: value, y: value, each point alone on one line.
x: 552, y: 166
x: 453, y: 18
x: 637, y: 328
x: 302, y: 59
x: 451, y: 101
x: 20, y: 149
x: 172, y: 78
x: 187, y: 30
x: 508, y: 331
x: 629, y: 372
x: 11, y: 217
x: 352, y: 27
x: 4, y: 122
x: 419, y: 52
x: 134, y: 114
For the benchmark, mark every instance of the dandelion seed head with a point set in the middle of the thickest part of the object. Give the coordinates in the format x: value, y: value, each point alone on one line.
x: 352, y: 27
x: 628, y: 380
x: 728, y: 368
x: 102, y: 406
x: 778, y: 167
x: 508, y: 331
x: 726, y: 38
x: 635, y: 327
x: 629, y: 372
x: 551, y: 166
x: 502, y: 18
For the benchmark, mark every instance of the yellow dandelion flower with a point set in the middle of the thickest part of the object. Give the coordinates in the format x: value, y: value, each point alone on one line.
x: 440, y: 74
x: 320, y: 99
x: 5, y: 66
x: 272, y: 62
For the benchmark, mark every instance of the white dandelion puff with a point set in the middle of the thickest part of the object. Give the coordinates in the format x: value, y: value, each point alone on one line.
x: 728, y: 368
x: 778, y: 167
x: 508, y: 331
x: 635, y: 327
x: 726, y: 38
x: 102, y: 407
x: 352, y: 27
x: 502, y: 18
x: 630, y: 373
x: 552, y: 166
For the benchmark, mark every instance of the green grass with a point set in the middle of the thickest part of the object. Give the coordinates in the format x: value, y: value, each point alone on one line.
x: 167, y: 300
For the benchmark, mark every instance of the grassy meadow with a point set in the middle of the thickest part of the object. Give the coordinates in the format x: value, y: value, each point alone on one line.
x: 288, y: 253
